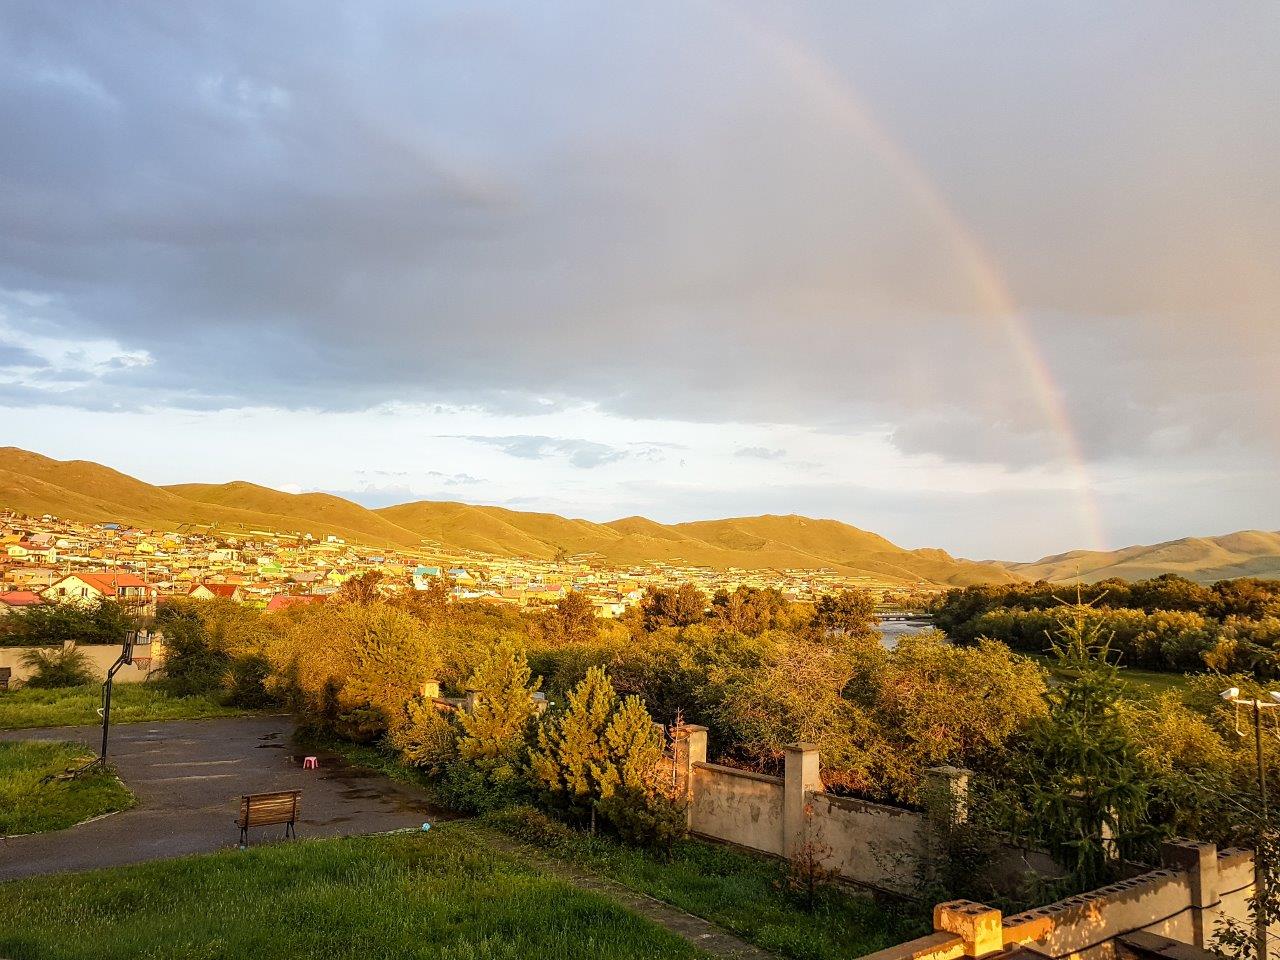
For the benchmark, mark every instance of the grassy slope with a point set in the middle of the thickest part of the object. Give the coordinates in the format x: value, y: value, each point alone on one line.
x: 739, y: 891
x: 1142, y: 684
x: 438, y: 895
x: 75, y: 706
x: 88, y: 491
x: 1247, y: 553
x: 29, y: 806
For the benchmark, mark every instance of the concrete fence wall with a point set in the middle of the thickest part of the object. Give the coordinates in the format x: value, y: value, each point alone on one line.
x: 866, y: 843
x: 1185, y: 901
x: 100, y: 656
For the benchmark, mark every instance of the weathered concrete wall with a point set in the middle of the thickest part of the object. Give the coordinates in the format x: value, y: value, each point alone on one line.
x: 101, y: 657
x: 870, y: 843
x: 737, y: 806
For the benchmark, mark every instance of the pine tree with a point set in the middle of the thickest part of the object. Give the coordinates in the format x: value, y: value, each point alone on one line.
x: 497, y: 725
x: 633, y: 750
x: 572, y: 753
x: 1084, y: 787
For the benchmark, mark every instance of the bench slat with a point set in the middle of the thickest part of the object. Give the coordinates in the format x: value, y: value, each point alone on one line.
x: 262, y: 809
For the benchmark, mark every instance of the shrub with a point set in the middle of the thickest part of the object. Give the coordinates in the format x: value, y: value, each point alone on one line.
x: 248, y: 682
x: 193, y: 664
x: 61, y: 667
x: 424, y: 737
x: 532, y: 826
x: 469, y: 789
x: 645, y: 817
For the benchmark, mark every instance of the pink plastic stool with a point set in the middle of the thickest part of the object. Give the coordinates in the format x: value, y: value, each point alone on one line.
x: 310, y: 763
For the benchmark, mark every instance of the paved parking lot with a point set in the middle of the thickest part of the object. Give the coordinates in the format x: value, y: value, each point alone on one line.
x: 189, y: 776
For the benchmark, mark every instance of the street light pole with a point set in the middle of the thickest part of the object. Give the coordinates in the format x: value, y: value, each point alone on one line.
x: 1260, y: 873
x: 1259, y: 860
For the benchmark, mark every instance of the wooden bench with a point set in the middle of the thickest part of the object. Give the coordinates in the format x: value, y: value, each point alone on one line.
x: 265, y: 809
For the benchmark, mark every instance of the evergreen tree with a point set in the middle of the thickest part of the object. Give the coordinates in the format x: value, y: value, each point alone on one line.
x: 496, y: 728
x: 572, y: 754
x: 1081, y: 785
x: 633, y: 750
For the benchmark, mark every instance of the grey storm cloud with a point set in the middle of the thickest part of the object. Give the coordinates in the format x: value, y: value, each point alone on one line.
x: 580, y: 453
x: 760, y: 453
x: 663, y: 210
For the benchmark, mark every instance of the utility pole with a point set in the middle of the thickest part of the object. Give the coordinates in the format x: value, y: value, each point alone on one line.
x: 1261, y: 920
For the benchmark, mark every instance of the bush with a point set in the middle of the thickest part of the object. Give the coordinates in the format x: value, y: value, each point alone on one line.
x: 248, y: 682
x: 424, y: 738
x: 55, y: 624
x: 62, y: 667
x: 470, y: 789
x: 193, y: 664
x: 644, y: 817
x: 532, y: 826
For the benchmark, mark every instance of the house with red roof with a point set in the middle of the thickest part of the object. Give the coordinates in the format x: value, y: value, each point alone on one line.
x: 283, y: 602
x: 216, y: 591
x: 18, y: 600
x: 90, y: 588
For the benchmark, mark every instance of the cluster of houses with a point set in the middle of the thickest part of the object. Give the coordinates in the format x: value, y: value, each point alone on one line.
x: 52, y: 560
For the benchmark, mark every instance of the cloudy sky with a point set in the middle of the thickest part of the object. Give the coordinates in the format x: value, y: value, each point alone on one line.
x: 999, y: 277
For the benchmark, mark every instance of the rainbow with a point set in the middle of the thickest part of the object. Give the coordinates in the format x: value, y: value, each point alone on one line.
x: 837, y: 98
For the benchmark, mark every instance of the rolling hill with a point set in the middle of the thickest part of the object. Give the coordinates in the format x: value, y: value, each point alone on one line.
x: 1248, y: 553
x: 86, y: 491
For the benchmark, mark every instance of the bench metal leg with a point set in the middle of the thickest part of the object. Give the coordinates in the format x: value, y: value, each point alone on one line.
x: 289, y: 831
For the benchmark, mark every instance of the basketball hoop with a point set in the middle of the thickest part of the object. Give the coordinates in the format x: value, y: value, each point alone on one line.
x: 142, y: 663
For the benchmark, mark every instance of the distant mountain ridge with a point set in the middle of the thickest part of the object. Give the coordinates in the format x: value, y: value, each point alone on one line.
x: 86, y: 491
x: 1247, y: 553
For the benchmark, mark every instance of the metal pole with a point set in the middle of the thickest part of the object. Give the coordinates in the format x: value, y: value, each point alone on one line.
x: 1259, y: 869
x: 106, y: 712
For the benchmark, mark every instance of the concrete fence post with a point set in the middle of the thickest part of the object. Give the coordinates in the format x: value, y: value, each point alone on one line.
x: 800, y: 778
x: 946, y: 795
x: 979, y: 926
x: 1200, y: 862
x: 688, y: 748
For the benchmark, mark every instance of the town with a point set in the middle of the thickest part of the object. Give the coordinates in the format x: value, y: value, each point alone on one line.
x: 48, y: 558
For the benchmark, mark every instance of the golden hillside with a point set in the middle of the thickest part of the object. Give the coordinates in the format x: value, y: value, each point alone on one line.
x: 82, y: 490
x: 86, y: 491
x: 1248, y: 553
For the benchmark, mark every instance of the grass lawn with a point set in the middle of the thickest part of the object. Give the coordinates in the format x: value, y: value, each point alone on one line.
x: 438, y: 895
x: 29, y: 806
x: 72, y: 706
x: 739, y: 891
x: 734, y: 889
x: 1141, y: 683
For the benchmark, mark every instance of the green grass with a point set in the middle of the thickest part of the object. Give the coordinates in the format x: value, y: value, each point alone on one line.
x: 438, y: 895
x: 1142, y: 684
x: 29, y: 806
x: 130, y: 702
x: 739, y: 891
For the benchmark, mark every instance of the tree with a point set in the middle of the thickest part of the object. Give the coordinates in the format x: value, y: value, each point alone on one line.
x: 423, y: 737
x: 847, y: 613
x: 750, y: 610
x: 571, y: 753
x: 572, y: 621
x: 1079, y: 785
x: 495, y: 731
x: 361, y: 588
x: 392, y: 655
x: 55, y: 624
x: 633, y: 750
x: 681, y: 607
